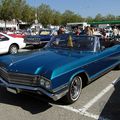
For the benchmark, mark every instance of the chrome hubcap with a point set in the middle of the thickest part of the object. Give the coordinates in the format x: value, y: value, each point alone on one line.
x: 75, y: 88
x: 13, y: 50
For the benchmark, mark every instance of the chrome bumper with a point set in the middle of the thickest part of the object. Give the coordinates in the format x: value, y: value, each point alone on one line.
x: 54, y: 96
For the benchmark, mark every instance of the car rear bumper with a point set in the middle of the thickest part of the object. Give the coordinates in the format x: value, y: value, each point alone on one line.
x: 55, y: 96
x: 3, y: 50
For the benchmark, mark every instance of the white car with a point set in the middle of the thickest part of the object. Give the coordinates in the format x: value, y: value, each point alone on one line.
x: 10, y: 44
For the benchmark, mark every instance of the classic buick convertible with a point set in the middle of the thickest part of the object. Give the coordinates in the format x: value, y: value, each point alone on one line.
x: 61, y: 69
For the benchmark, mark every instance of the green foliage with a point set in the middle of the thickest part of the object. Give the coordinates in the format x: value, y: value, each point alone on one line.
x: 6, y: 11
x: 16, y: 9
x: 28, y: 14
x: 69, y: 16
x: 110, y: 17
x: 18, y: 6
x: 56, y: 16
x: 20, y: 10
x: 98, y: 17
x: 117, y: 17
x: 45, y: 14
x: 89, y: 19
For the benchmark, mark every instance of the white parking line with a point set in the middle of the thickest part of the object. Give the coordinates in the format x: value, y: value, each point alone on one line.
x: 115, y: 81
x: 85, y: 113
x: 100, y: 95
x: 83, y: 110
x: 96, y: 98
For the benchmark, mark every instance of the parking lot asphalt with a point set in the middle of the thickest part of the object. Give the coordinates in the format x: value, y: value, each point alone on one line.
x: 98, y: 100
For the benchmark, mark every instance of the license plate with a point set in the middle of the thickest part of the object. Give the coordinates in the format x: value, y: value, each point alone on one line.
x: 12, y: 90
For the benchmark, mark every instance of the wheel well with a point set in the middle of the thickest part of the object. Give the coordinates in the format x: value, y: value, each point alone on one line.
x: 84, y: 78
x: 15, y: 44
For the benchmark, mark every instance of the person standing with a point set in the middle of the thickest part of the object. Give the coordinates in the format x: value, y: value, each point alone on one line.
x: 115, y: 32
x: 61, y: 30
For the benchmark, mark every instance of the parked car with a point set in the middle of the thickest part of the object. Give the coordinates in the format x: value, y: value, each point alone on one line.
x: 61, y: 69
x: 9, y: 44
x: 41, y: 39
x: 16, y: 34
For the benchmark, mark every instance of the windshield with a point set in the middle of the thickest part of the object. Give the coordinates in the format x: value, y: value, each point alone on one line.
x: 45, y: 32
x: 82, y: 43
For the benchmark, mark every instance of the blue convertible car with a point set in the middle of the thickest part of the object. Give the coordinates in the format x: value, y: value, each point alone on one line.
x: 61, y: 69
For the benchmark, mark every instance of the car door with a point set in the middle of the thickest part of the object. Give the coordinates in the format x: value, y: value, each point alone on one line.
x: 102, y: 61
x: 110, y: 56
x: 4, y: 43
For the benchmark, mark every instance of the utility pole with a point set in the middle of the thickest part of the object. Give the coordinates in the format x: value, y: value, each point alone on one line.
x: 36, y: 20
x: 36, y: 16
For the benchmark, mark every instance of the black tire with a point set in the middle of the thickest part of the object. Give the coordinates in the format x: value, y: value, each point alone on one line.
x: 13, y: 49
x: 74, y: 90
x: 118, y: 67
x: 39, y: 45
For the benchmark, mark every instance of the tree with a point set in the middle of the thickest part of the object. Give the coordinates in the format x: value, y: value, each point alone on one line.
x: 28, y: 14
x: 56, y: 18
x: 89, y: 19
x: 18, y: 7
x: 6, y: 11
x: 69, y: 16
x: 117, y: 17
x: 110, y: 17
x: 0, y: 11
x: 20, y: 10
x: 98, y: 17
x: 45, y: 14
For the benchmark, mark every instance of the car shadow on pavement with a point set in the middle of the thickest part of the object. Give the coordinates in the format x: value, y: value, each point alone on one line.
x: 26, y: 102
x: 34, y: 103
x: 111, y: 109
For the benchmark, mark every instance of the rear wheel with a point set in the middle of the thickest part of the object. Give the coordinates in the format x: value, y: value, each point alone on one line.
x: 74, y: 90
x: 13, y: 49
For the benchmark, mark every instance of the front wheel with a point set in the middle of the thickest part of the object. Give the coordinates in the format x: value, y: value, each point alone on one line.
x: 13, y: 49
x: 74, y: 90
x: 118, y: 67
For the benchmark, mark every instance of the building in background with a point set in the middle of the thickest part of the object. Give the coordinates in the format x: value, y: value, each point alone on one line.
x: 10, y: 25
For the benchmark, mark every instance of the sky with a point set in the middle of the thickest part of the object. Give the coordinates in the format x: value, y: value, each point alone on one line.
x: 84, y: 8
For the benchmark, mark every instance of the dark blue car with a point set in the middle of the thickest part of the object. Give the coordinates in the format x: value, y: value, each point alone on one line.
x: 41, y: 39
x: 61, y: 69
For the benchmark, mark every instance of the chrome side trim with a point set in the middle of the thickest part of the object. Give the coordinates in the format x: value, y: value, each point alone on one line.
x: 60, y: 87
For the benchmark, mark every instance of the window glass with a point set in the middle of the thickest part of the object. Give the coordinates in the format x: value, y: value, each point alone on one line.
x: 82, y: 43
x: 45, y: 32
x: 3, y: 38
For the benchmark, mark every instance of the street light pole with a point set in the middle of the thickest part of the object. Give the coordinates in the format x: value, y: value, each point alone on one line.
x: 36, y: 20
